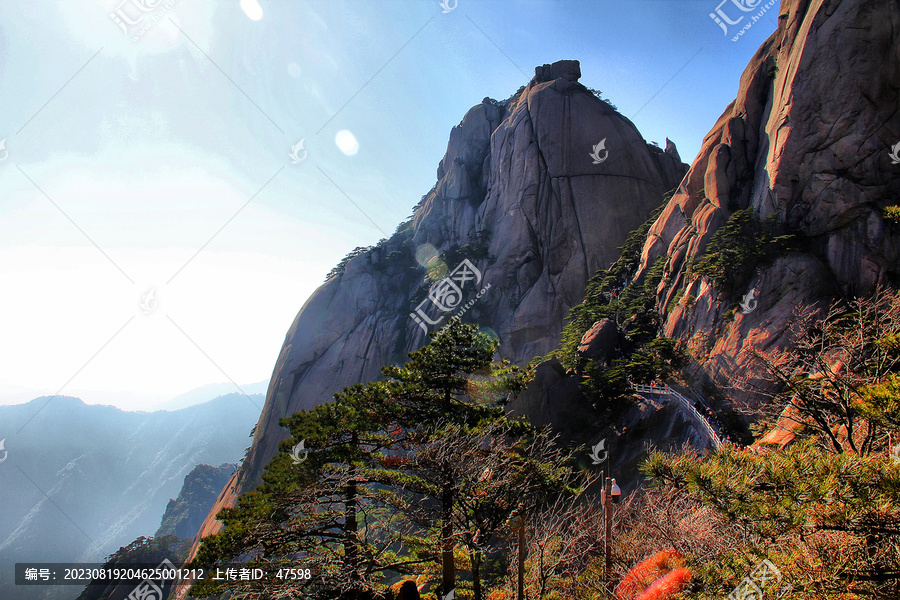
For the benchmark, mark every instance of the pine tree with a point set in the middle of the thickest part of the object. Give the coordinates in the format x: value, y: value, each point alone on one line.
x: 393, y: 480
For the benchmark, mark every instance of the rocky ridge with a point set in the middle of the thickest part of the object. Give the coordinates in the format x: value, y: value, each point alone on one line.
x: 522, y: 195
x: 806, y: 146
x: 201, y: 487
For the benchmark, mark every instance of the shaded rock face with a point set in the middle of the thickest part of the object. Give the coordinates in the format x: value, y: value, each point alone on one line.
x: 554, y: 398
x: 570, y: 70
x: 185, y: 514
x: 518, y: 176
x: 807, y: 140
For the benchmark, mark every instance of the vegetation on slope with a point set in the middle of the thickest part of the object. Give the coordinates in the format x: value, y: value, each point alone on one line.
x: 414, y: 475
x: 614, y: 294
x: 825, y: 509
x: 146, y: 552
x: 398, y: 250
x: 737, y: 248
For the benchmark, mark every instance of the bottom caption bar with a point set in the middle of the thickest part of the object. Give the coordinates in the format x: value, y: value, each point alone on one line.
x: 159, y: 575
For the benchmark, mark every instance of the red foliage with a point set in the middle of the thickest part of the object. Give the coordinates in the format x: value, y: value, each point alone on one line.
x: 668, y: 585
x: 647, y: 571
x: 391, y: 462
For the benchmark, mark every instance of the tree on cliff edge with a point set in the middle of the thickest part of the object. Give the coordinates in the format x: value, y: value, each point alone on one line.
x: 390, y: 482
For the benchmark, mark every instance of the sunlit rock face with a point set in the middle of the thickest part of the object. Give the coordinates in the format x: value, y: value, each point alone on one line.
x: 808, y: 140
x: 525, y: 182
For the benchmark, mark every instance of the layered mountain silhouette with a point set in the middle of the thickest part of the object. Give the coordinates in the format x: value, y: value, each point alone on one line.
x: 79, y: 481
x: 171, y: 542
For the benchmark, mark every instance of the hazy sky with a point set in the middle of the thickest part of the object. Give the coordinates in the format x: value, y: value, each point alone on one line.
x: 163, y: 162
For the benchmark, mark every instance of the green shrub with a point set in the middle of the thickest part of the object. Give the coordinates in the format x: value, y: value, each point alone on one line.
x: 612, y: 294
x: 342, y: 266
x: 737, y: 248
x: 608, y: 387
x: 475, y: 250
x: 674, y: 300
x: 599, y: 95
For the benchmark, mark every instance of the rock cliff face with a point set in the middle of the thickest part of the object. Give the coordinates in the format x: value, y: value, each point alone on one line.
x: 537, y: 192
x: 186, y: 513
x: 806, y: 143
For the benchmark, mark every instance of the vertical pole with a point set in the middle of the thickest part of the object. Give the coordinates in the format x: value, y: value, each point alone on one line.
x: 607, y: 544
x: 448, y: 564
x: 516, y: 522
x: 521, y: 587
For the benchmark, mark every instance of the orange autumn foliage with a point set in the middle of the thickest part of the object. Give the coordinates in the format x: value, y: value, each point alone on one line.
x: 647, y: 572
x: 668, y: 585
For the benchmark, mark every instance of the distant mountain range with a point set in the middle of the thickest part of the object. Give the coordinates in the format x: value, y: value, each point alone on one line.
x: 172, y: 541
x: 79, y: 481
x: 211, y: 390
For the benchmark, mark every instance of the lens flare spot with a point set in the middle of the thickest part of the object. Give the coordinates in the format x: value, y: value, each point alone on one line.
x: 425, y: 254
x: 346, y: 142
x: 252, y: 9
x: 437, y: 269
x: 490, y: 333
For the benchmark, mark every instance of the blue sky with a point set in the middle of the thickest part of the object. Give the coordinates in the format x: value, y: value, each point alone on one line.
x: 163, y: 163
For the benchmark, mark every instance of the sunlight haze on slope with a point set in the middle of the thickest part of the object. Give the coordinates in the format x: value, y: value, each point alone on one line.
x: 129, y: 158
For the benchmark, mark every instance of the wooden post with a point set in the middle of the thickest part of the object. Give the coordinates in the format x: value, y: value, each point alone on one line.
x: 521, y: 587
x: 606, y: 501
x: 516, y: 522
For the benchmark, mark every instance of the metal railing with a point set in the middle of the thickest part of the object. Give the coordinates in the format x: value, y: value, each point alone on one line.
x: 667, y: 391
